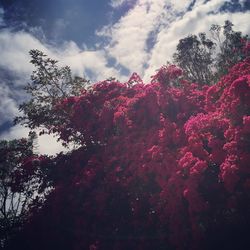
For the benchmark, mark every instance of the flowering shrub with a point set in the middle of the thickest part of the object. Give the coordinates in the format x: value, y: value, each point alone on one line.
x: 160, y: 166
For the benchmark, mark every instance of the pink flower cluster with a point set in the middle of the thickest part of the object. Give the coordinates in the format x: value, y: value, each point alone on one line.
x: 153, y: 162
x: 166, y: 74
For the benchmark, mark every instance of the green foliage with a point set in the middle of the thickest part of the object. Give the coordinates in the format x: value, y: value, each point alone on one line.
x: 49, y: 84
x: 194, y: 56
x: 204, y: 60
x: 13, y: 203
x: 230, y: 45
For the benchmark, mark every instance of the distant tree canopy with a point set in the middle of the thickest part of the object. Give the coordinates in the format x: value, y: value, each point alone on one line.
x: 163, y: 165
x: 13, y: 202
x: 205, y: 60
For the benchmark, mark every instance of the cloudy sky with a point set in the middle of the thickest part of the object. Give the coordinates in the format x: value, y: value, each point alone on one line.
x: 98, y: 39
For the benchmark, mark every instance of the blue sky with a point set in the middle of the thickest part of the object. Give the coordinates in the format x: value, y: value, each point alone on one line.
x: 61, y: 20
x: 98, y: 39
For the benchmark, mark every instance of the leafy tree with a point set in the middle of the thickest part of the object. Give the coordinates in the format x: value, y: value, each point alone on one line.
x: 205, y: 60
x: 231, y: 45
x: 24, y: 184
x: 195, y: 56
x: 13, y: 203
x: 49, y: 84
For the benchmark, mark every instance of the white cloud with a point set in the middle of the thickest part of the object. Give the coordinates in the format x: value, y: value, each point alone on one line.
x: 120, y: 3
x: 14, y: 49
x: 117, y: 3
x: 8, y: 106
x: 15, y: 132
x: 83, y: 62
x: 141, y: 41
x: 47, y: 144
x: 180, y: 5
x: 129, y: 36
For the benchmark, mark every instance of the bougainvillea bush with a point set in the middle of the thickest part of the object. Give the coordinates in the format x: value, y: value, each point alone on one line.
x: 163, y: 165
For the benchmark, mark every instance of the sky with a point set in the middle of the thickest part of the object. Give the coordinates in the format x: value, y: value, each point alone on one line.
x: 98, y: 39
